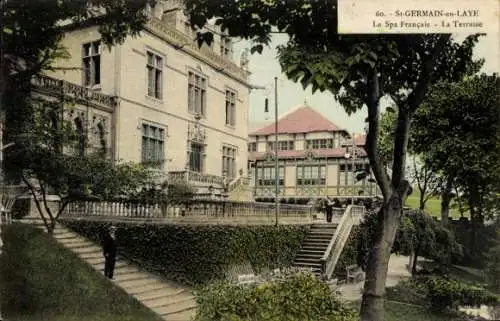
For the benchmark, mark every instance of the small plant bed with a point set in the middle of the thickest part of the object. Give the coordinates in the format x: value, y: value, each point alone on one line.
x: 198, y: 254
x: 294, y: 297
x: 439, y: 295
x: 41, y: 280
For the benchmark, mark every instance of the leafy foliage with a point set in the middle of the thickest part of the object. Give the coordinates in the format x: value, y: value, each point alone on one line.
x: 296, y: 298
x: 447, y: 293
x: 459, y: 131
x: 45, y: 157
x: 196, y: 254
x: 418, y: 232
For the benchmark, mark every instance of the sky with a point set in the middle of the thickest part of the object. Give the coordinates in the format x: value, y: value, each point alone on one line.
x: 264, y: 67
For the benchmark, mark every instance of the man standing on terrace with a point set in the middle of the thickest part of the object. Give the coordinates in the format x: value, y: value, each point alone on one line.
x: 109, y: 249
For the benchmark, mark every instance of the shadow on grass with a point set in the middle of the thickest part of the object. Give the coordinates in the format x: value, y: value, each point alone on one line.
x: 41, y: 280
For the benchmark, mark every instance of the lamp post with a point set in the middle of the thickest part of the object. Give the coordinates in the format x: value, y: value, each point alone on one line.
x: 276, y: 159
x: 353, y: 165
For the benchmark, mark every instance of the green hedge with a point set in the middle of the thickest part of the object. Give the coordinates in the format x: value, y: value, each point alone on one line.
x: 196, y: 254
x: 301, y: 297
x: 42, y: 280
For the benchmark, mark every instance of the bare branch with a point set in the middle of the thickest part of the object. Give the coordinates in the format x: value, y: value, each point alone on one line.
x: 44, y: 198
x: 37, y: 202
x: 376, y: 163
x: 62, y: 208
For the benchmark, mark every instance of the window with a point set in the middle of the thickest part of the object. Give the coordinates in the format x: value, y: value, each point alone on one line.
x: 319, y: 143
x: 92, y: 63
x: 311, y: 175
x: 347, y: 177
x: 154, y: 68
x: 196, y: 157
x: 230, y: 108
x: 286, y: 145
x: 153, y: 146
x: 225, y: 46
x: 229, y: 162
x: 252, y: 147
x: 266, y: 176
x: 197, y: 90
x: 270, y: 146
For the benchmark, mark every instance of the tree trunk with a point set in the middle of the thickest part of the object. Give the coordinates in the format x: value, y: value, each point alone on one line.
x: 372, y: 307
x: 415, y: 261
x: 446, y: 200
x: 422, y: 200
x: 51, y: 226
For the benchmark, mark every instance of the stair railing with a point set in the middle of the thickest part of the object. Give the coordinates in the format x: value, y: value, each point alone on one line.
x: 351, y: 217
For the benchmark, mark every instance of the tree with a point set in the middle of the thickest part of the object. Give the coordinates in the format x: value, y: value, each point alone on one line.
x: 420, y: 172
x: 459, y: 131
x: 358, y: 70
x: 30, y: 34
x: 48, y: 166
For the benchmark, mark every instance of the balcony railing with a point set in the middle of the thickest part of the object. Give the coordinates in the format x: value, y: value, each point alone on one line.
x: 53, y: 86
x: 185, y: 42
x: 191, y: 176
x: 195, y: 211
x: 317, y: 191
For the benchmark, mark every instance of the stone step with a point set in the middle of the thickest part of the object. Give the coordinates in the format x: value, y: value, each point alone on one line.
x: 175, y: 308
x: 181, y: 316
x: 98, y: 263
x: 307, y: 261
x: 161, y: 293
x: 92, y: 255
x: 122, y: 277
x: 75, y: 243
x: 311, y: 252
x: 137, y: 283
x: 66, y: 235
x: 314, y: 239
x: 135, y: 291
x: 308, y: 264
x: 126, y: 269
x: 306, y: 256
x: 90, y: 249
x: 320, y: 234
x: 167, y: 300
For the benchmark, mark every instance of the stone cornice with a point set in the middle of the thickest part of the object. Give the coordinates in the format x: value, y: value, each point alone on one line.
x: 182, y: 42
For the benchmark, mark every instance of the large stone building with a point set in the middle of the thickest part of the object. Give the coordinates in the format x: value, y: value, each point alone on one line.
x: 160, y: 99
x: 316, y: 159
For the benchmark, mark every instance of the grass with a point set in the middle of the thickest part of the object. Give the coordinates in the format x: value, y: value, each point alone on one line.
x: 398, y: 311
x: 432, y: 206
x: 41, y: 280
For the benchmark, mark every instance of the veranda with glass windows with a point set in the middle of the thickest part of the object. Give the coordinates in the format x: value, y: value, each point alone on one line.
x: 312, y: 179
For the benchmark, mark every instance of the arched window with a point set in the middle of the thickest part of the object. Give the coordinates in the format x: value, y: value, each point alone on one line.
x: 80, y: 132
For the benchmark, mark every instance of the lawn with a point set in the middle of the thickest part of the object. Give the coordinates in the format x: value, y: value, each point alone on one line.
x: 396, y: 311
x: 432, y: 206
x: 41, y: 280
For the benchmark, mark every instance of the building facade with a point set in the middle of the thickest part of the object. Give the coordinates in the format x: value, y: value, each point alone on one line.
x: 175, y: 106
x: 316, y: 159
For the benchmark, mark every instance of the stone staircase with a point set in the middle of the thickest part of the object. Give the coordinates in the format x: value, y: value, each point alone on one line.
x: 171, y: 301
x: 314, y: 247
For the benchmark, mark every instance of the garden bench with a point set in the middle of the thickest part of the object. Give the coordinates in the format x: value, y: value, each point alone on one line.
x: 247, y: 279
x: 5, y: 209
x: 354, y: 273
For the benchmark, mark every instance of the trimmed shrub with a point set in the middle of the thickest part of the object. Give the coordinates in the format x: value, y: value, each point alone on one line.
x: 444, y: 293
x: 196, y: 254
x: 301, y: 297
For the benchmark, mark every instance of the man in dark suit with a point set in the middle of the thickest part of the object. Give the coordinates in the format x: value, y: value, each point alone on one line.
x: 329, y: 210
x: 109, y: 251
